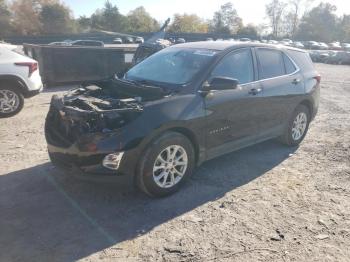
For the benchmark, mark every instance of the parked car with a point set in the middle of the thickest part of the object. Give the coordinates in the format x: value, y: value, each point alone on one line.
x: 346, y: 46
x: 209, y: 39
x: 273, y: 42
x: 312, y: 45
x: 320, y: 56
x: 339, y: 58
x: 60, y: 43
x: 286, y: 40
x: 182, y: 106
x: 298, y: 45
x: 147, y: 49
x: 245, y: 39
x: 323, y: 46
x: 171, y: 40
x: 314, y: 55
x: 117, y: 40
x: 139, y: 40
x: 19, y: 79
x: 180, y: 40
x: 335, y: 46
x: 87, y: 43
x: 285, y: 43
x: 129, y: 40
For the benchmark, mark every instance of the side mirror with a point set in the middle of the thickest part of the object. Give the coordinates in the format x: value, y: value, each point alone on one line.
x: 220, y: 83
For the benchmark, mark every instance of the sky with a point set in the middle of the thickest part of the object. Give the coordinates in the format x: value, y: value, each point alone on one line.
x: 252, y: 11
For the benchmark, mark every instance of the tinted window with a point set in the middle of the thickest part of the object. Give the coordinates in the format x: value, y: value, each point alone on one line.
x: 290, y: 68
x: 271, y: 63
x: 238, y: 65
x: 302, y: 59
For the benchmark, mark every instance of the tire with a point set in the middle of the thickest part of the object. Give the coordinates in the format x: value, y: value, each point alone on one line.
x: 291, y: 138
x: 4, y: 112
x: 152, y: 178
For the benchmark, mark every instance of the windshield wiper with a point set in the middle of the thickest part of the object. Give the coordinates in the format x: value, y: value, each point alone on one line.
x: 145, y: 82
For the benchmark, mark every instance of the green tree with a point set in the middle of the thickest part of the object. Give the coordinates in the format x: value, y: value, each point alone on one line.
x: 139, y: 20
x: 56, y: 19
x: 188, y: 23
x: 344, y: 29
x: 320, y: 24
x: 109, y: 18
x: 226, y: 20
x: 249, y: 31
x: 5, y: 19
x: 83, y: 23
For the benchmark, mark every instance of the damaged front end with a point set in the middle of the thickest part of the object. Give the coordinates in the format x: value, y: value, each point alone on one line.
x: 88, y: 110
x: 91, y: 110
x: 97, y: 109
x: 79, y: 123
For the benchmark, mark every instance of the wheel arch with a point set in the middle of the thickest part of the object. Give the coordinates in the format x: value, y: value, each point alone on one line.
x: 186, y: 132
x: 308, y: 105
x: 190, y: 136
x: 15, y: 80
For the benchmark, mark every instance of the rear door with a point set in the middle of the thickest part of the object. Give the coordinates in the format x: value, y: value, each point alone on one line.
x: 282, y: 84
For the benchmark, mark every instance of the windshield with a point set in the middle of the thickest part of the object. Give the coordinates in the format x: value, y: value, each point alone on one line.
x: 172, y: 65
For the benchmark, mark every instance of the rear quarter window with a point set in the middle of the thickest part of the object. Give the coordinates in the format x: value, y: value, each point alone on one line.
x: 302, y: 59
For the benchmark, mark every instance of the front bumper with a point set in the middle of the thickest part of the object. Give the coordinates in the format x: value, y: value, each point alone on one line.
x: 92, y: 163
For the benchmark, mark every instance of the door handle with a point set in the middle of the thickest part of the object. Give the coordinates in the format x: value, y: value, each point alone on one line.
x: 254, y: 91
x: 296, y: 81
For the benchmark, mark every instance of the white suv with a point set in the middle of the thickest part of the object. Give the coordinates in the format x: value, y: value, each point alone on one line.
x: 19, y: 79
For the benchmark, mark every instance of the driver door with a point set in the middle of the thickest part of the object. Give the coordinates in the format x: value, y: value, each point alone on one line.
x: 233, y: 115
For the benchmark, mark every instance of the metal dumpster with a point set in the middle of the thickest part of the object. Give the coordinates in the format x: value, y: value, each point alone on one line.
x: 61, y: 65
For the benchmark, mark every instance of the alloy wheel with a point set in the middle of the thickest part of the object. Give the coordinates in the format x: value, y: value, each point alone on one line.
x: 299, y: 126
x: 170, y: 166
x: 9, y: 101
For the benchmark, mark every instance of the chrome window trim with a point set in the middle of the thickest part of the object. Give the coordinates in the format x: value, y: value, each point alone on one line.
x: 265, y: 79
x: 297, y: 70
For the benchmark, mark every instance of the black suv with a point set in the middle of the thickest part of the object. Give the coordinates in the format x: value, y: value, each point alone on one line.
x: 181, y: 106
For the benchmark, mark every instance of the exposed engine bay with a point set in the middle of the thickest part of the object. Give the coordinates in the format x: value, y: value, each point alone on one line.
x: 93, y: 108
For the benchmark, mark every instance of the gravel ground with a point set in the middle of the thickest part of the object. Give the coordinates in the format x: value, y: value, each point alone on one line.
x: 263, y: 203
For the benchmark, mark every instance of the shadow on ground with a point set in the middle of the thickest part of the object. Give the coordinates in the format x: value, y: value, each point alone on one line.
x: 47, y: 215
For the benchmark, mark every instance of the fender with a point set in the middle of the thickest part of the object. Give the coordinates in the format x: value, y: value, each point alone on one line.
x: 17, y: 79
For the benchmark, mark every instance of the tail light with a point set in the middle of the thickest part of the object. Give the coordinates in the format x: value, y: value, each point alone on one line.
x: 318, y: 79
x: 32, y: 66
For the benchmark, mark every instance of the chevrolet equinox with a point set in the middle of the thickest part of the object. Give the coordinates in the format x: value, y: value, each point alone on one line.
x: 181, y: 106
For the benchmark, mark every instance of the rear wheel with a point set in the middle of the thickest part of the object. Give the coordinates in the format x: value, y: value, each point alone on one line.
x: 165, y: 165
x: 11, y: 101
x: 297, y: 126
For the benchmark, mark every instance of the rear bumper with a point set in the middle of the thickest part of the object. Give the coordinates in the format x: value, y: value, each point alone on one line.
x: 31, y: 93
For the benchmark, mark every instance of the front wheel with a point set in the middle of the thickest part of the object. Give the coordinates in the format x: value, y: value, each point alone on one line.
x: 297, y: 126
x: 165, y: 165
